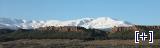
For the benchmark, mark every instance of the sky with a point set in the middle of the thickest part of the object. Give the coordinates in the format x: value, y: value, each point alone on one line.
x: 145, y: 12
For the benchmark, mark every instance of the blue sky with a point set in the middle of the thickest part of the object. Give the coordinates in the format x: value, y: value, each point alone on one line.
x: 145, y: 12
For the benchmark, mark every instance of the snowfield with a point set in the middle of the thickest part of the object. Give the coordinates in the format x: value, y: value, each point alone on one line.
x: 97, y: 23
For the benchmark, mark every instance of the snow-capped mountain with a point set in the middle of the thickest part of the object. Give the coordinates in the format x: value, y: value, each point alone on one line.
x: 97, y: 23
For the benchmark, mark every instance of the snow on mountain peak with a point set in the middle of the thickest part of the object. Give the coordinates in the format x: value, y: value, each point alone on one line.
x: 98, y: 23
x: 106, y: 22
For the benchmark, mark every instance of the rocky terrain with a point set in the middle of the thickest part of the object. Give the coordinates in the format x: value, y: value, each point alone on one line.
x: 135, y: 28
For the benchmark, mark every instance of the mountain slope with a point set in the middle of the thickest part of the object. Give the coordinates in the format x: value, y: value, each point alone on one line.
x: 97, y: 23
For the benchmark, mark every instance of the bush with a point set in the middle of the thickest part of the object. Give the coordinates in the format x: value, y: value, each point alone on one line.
x: 53, y: 35
x: 121, y: 35
x: 130, y: 34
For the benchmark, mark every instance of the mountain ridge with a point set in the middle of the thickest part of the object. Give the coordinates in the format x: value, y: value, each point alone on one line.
x: 97, y: 23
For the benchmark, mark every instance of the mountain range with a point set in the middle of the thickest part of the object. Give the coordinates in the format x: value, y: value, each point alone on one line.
x: 96, y: 23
